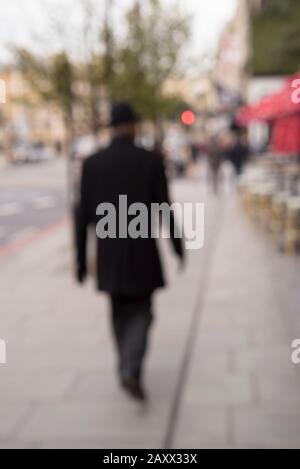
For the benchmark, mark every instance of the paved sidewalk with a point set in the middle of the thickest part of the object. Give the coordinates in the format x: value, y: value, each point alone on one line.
x: 219, y: 373
x: 242, y: 389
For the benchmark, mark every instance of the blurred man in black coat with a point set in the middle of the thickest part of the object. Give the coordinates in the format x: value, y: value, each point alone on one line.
x: 238, y: 152
x: 128, y: 269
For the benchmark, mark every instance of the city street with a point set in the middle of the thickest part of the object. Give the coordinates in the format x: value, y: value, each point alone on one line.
x: 219, y: 373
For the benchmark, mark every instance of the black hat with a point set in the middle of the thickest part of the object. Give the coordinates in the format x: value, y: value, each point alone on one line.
x: 122, y: 113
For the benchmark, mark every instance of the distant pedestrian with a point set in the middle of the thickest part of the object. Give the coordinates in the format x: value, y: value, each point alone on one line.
x: 238, y: 153
x: 215, y: 160
x: 128, y: 269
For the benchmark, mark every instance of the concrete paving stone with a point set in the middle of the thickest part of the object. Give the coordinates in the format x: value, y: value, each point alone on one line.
x: 161, y: 383
x: 201, y: 426
x: 11, y: 415
x: 210, y: 360
x: 97, y: 386
x: 219, y: 298
x: 219, y: 389
x: 10, y: 318
x: 97, y: 420
x: 271, y: 406
x: 255, y: 318
x: 170, y: 326
x: 17, y: 310
x: 158, y: 381
x: 179, y: 303
x: 168, y: 360
x: 264, y: 358
x: 219, y: 338
x: 67, y: 335
x: 72, y: 316
x: 280, y: 388
x: 89, y: 358
x: 28, y: 387
x: 268, y: 429
x: 10, y: 335
x: 268, y: 334
x: 217, y: 319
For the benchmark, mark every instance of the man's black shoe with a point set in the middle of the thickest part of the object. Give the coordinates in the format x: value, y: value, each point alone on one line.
x: 134, y: 388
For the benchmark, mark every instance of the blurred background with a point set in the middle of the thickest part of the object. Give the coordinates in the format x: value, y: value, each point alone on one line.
x: 217, y: 87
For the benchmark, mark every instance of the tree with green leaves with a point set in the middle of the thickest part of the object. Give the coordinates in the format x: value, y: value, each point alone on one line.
x: 149, y: 55
x: 52, y: 81
x: 61, y: 80
x: 109, y: 46
x: 276, y: 38
x: 134, y: 67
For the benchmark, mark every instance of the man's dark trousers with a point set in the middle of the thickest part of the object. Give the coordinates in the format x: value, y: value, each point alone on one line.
x: 131, y: 320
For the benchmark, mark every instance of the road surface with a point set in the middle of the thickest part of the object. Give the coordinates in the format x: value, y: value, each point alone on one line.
x: 32, y: 197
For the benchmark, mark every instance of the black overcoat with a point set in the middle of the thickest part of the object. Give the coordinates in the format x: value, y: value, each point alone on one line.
x: 125, y: 266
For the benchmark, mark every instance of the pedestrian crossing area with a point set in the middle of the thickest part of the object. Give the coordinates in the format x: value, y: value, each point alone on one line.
x: 13, y: 208
x: 24, y: 212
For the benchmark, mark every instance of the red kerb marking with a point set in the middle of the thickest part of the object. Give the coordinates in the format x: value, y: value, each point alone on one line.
x: 42, y: 233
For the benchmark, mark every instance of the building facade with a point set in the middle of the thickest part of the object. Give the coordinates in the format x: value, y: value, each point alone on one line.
x: 24, y: 118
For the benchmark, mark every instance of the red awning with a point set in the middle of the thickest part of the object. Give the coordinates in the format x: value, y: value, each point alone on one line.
x: 273, y: 107
x: 282, y: 111
x: 286, y: 135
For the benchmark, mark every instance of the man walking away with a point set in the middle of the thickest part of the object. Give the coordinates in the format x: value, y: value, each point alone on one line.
x: 238, y: 153
x: 128, y: 269
x: 215, y: 160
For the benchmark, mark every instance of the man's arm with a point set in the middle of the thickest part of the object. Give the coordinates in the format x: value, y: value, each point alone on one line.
x: 162, y: 196
x: 82, y: 221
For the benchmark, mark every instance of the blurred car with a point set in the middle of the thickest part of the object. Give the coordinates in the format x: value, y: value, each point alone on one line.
x: 29, y: 152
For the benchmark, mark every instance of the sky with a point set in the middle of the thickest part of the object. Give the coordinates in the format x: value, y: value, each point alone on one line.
x: 23, y: 22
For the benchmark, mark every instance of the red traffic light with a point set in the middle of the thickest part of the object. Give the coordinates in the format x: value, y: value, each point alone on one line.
x: 188, y: 117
